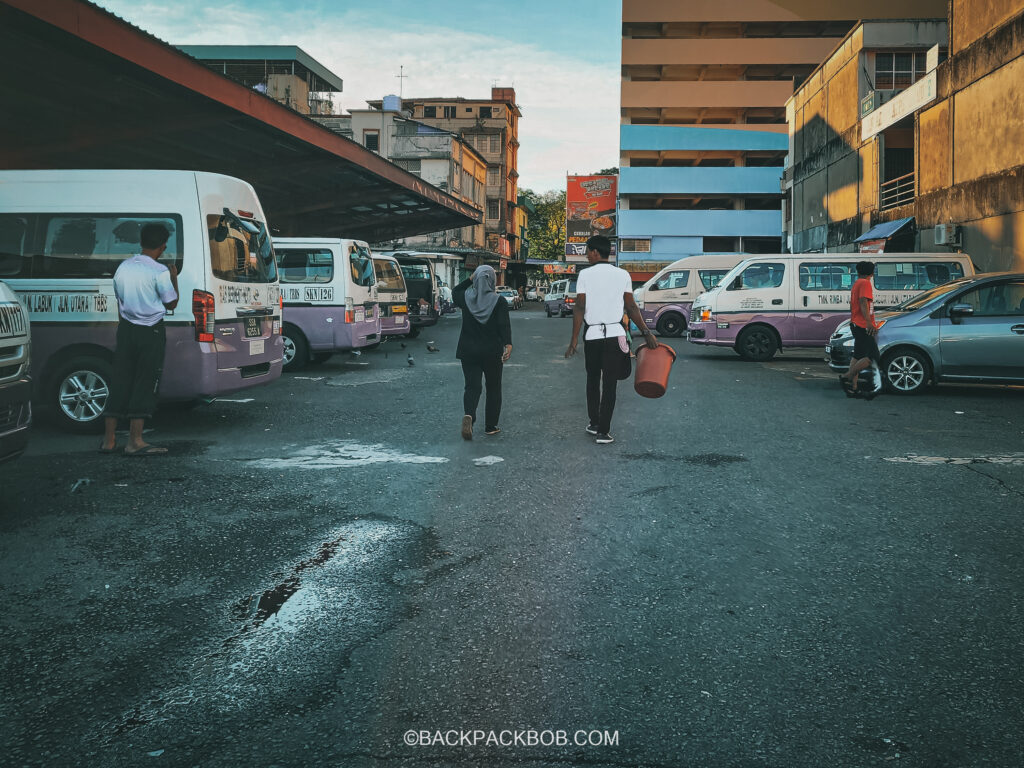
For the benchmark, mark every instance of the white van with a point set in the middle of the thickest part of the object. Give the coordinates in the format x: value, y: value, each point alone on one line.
x: 665, y: 299
x: 392, y: 295
x: 561, y: 297
x: 329, y: 290
x: 15, y: 385
x: 766, y: 303
x: 64, y: 233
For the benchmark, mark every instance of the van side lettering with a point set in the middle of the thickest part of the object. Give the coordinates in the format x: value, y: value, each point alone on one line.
x: 320, y: 294
x: 239, y: 294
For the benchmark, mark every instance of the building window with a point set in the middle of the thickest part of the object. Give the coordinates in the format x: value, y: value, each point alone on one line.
x: 412, y: 166
x: 719, y: 245
x: 895, y: 71
x: 493, y: 209
x: 495, y: 143
x: 449, y: 112
x: 492, y: 177
x: 636, y: 245
x: 430, y: 111
x: 371, y: 140
x: 485, y: 112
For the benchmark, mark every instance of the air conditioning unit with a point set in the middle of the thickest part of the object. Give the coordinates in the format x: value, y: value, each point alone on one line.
x: 947, y: 234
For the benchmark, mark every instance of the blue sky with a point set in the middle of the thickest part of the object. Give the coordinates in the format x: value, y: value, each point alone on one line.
x: 561, y: 57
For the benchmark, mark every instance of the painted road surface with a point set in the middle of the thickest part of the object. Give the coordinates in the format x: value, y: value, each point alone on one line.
x: 758, y: 571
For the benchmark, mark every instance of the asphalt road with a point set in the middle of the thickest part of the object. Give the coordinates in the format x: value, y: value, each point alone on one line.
x: 758, y: 572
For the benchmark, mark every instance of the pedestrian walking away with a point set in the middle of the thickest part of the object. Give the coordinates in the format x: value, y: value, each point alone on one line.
x: 145, y: 290
x: 485, y: 345
x: 862, y: 324
x: 604, y: 294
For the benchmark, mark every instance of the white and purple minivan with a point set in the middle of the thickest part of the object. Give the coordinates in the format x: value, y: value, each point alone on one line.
x: 665, y: 299
x: 63, y: 233
x: 766, y: 303
x: 329, y: 290
x: 392, y: 296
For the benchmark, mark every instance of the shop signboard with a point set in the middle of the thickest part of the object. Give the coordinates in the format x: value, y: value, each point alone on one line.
x: 589, y: 210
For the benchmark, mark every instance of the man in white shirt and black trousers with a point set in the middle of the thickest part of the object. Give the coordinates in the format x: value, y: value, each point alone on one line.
x: 145, y: 290
x: 603, y: 294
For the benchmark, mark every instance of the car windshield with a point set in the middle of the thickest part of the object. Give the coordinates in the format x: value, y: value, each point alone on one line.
x: 924, y: 298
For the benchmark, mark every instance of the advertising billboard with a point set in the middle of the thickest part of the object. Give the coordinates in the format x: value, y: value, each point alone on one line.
x: 589, y: 210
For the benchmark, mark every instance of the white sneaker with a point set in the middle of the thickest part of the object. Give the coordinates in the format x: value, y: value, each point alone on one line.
x: 604, y: 438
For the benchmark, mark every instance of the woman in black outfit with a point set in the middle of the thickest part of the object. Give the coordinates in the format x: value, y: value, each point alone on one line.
x: 484, y: 345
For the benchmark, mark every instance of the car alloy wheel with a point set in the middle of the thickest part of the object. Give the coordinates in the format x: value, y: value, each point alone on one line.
x: 905, y: 372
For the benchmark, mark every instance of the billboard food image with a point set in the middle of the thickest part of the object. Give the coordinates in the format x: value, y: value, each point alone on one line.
x: 589, y: 210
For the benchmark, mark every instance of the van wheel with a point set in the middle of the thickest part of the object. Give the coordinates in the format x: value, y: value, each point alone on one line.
x: 78, y: 394
x: 296, y: 349
x: 757, y: 343
x: 906, y: 371
x: 547, y: 309
x: 671, y: 324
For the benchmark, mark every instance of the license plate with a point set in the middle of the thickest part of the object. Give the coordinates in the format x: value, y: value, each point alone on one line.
x: 256, y: 347
x: 252, y: 328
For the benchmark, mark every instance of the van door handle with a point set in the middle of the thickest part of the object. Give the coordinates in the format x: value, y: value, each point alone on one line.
x: 805, y: 301
x: 776, y: 301
x: 1018, y: 329
x: 254, y: 312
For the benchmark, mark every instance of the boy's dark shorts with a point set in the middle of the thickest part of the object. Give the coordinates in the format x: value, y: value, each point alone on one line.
x: 864, y: 344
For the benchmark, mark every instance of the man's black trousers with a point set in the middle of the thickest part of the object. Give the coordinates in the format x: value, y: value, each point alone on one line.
x: 138, y: 363
x: 604, y: 364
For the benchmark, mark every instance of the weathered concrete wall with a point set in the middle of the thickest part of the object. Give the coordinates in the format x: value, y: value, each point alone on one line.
x: 843, y: 182
x: 988, y: 132
x: 844, y: 98
x: 973, y: 19
x: 934, y: 159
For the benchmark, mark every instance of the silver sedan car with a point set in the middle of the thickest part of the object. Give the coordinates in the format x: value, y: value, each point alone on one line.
x: 968, y: 330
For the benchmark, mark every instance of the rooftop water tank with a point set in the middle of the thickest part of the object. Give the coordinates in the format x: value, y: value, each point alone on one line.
x: 392, y: 103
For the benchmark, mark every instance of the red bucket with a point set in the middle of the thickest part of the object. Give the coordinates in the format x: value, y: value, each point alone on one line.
x: 652, y: 369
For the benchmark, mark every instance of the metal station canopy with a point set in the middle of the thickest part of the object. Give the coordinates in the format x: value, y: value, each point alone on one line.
x: 82, y: 88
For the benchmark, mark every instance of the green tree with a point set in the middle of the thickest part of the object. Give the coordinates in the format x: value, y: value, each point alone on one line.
x: 546, y: 228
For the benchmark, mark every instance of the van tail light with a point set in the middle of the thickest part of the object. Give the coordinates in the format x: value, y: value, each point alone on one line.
x: 279, y: 325
x: 203, y: 307
x: 350, y: 311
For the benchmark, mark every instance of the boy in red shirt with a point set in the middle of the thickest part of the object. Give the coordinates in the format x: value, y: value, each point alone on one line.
x: 862, y: 323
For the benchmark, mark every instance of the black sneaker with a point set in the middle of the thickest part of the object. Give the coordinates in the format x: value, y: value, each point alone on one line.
x: 603, y: 438
x: 492, y: 430
x: 591, y: 428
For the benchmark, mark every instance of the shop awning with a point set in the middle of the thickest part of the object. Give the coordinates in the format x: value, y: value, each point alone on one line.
x: 885, y: 230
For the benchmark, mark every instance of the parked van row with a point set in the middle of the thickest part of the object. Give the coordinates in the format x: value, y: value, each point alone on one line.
x: 249, y: 307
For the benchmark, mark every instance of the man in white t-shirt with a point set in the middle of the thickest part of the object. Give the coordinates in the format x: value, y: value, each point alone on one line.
x: 145, y: 290
x: 604, y: 293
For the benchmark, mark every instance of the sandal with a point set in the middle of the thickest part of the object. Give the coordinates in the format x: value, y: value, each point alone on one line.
x: 149, y: 450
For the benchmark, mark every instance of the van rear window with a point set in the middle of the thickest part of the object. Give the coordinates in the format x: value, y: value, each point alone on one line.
x: 240, y: 249
x: 78, y: 245
x: 305, y: 265
x: 389, y: 277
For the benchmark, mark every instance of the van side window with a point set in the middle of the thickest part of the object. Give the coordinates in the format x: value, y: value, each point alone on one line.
x: 760, y: 275
x: 93, y: 245
x: 305, y: 265
x: 826, y: 276
x: 672, y: 280
x: 915, y: 275
x: 13, y: 240
x: 710, y: 278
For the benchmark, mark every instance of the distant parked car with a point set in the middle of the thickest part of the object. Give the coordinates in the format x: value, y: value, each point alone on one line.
x: 967, y: 330
x: 511, y: 295
x: 532, y: 294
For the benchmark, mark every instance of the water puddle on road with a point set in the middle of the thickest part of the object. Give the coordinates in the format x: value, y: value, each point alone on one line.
x: 1010, y: 459
x: 292, y: 639
x: 340, y: 454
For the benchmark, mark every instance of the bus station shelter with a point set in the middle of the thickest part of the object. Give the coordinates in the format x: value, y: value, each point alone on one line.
x: 83, y: 88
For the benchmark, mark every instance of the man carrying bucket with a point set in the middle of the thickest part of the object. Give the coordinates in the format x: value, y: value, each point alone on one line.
x: 603, y: 293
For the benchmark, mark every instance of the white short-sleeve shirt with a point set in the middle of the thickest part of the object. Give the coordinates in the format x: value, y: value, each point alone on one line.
x: 604, y: 285
x: 142, y: 287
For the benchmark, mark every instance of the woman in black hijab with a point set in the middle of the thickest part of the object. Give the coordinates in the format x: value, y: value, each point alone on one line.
x: 484, y: 345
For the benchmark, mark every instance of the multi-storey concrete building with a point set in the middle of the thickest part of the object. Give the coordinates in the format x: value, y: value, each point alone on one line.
x: 704, y: 135
x: 934, y: 157
x: 437, y: 156
x: 491, y: 127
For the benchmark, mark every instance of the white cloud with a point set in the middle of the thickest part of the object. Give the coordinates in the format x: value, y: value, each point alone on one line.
x: 570, y: 108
